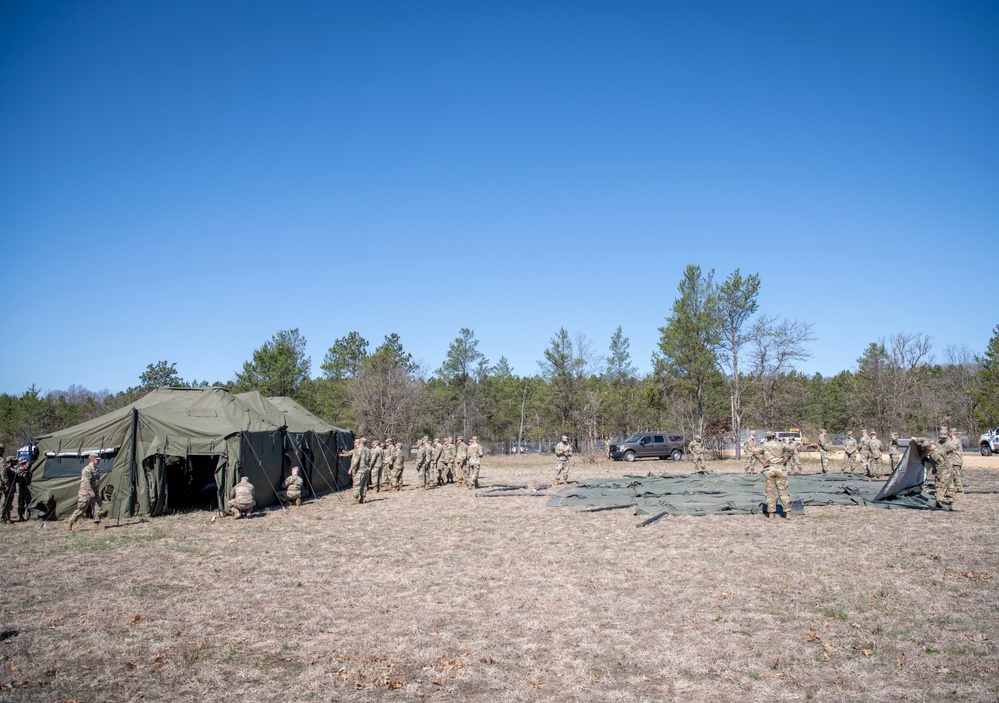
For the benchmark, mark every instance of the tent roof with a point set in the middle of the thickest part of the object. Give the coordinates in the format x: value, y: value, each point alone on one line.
x: 299, y: 419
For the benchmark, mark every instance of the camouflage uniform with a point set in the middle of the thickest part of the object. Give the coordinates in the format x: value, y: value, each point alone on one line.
x: 894, y: 451
x: 88, y: 497
x: 436, y: 467
x: 398, y: 465
x: 242, y: 499
x: 461, y: 461
x: 7, y: 488
x: 849, y: 453
x: 422, y: 461
x: 945, y: 493
x: 795, y: 461
x: 775, y: 457
x: 448, y: 469
x: 864, y: 452
x: 874, y: 457
x: 750, y: 447
x: 955, y: 452
x: 563, y: 452
x: 696, y: 449
x: 360, y: 469
x: 292, y: 492
x: 474, y: 462
x: 378, y: 463
x: 17, y: 480
x: 824, y: 448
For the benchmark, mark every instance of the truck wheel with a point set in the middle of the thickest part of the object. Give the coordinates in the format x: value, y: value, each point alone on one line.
x: 986, y: 450
x: 629, y: 455
x: 676, y: 455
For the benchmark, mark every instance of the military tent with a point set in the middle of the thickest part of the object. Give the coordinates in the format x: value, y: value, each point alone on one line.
x: 310, y: 443
x: 174, y: 448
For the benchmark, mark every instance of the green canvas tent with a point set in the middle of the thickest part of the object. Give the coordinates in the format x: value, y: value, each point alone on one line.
x: 310, y: 443
x: 173, y: 448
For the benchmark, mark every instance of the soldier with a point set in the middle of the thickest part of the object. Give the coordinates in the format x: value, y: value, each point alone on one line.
x: 696, y: 449
x: 749, y: 446
x: 7, y: 488
x: 955, y: 452
x: 874, y: 457
x: 776, y: 456
x: 18, y: 479
x: 849, y: 453
x: 360, y: 468
x: 88, y: 497
x: 422, y: 461
x: 448, y: 454
x: 461, y: 461
x: 378, y: 465
x: 292, y: 492
x: 824, y: 448
x: 792, y: 451
x: 864, y: 452
x: 563, y: 452
x: 945, y: 493
x: 398, y: 465
x: 242, y: 499
x: 474, y: 462
x: 436, y: 467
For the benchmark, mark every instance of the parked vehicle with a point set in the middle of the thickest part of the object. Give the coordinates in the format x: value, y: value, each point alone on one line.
x: 989, y: 442
x: 658, y: 445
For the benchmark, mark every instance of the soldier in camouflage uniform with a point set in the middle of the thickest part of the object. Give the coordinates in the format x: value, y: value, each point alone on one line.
x: 360, y: 468
x: 292, y: 492
x: 563, y: 452
x: 824, y: 448
x: 955, y: 452
x: 242, y: 499
x: 448, y: 459
x: 88, y: 497
x: 776, y: 456
x: 7, y: 488
x: 378, y: 463
x: 894, y: 451
x: 795, y: 460
x: 864, y: 452
x: 696, y: 449
x: 422, y: 461
x: 849, y: 453
x: 945, y: 488
x: 398, y: 465
x: 875, y: 466
x: 474, y: 462
x: 750, y: 446
x: 436, y: 465
x: 461, y: 461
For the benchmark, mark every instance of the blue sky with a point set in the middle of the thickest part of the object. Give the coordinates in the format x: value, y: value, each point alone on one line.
x: 181, y: 180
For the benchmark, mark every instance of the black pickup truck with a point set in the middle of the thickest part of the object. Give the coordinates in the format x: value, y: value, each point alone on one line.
x: 658, y: 445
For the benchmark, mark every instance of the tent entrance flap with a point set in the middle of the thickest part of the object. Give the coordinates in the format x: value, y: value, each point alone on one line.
x: 190, y: 482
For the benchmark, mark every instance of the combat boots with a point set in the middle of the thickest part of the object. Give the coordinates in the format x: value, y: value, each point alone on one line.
x: 98, y: 526
x: 772, y: 516
x: 69, y: 526
x: 298, y: 501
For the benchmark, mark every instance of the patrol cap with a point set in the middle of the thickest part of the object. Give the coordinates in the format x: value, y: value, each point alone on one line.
x: 873, y: 433
x: 771, y: 435
x: 475, y: 438
x: 437, y: 439
x: 93, y: 455
x: 697, y: 436
x: 850, y: 433
x: 565, y: 438
x: 953, y: 430
x: 894, y: 435
x: 461, y: 438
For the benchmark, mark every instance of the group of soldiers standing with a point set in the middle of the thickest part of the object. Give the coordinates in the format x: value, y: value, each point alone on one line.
x: 437, y: 463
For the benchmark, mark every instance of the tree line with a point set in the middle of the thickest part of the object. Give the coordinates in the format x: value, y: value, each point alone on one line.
x: 721, y: 366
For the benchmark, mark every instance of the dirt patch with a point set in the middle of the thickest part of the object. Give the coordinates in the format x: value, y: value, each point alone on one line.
x: 443, y: 595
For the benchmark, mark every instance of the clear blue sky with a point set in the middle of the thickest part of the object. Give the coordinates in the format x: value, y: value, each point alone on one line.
x: 181, y: 180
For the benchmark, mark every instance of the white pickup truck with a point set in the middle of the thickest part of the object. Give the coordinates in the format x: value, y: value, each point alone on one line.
x: 989, y: 442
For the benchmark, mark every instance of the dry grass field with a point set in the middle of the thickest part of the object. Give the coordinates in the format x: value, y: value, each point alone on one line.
x: 443, y: 595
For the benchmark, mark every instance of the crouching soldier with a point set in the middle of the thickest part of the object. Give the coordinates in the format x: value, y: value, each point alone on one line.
x: 242, y: 499
x: 292, y: 492
x: 88, y: 498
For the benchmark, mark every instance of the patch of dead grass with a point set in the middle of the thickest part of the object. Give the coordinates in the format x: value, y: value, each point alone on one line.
x: 440, y: 595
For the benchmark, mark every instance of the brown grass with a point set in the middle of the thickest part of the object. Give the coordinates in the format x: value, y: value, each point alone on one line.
x: 441, y: 595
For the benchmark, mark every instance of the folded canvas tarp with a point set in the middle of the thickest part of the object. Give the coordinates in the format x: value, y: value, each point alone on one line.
x: 310, y: 443
x: 171, y: 448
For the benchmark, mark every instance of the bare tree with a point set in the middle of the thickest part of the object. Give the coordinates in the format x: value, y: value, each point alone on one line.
x: 775, y: 345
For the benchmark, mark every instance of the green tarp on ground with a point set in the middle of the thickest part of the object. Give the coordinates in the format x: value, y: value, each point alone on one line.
x: 174, y: 448
x: 733, y: 494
